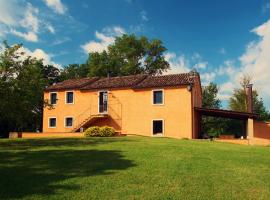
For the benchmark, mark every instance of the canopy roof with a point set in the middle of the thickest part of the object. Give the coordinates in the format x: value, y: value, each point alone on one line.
x: 225, y: 113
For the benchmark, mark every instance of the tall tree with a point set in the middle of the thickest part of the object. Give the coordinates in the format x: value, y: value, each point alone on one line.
x: 238, y: 101
x: 22, y: 82
x: 129, y: 55
x: 210, y: 99
x: 212, y: 125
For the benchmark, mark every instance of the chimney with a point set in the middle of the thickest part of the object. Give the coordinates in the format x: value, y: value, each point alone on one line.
x: 249, y: 98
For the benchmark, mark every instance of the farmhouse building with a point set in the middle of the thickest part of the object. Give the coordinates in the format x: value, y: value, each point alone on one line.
x: 166, y: 105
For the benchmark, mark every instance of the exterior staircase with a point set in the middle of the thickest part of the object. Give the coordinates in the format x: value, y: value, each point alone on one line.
x: 88, y: 121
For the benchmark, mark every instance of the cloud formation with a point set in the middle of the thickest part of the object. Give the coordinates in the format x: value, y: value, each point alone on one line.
x: 254, y: 62
x: 103, y: 39
x: 40, y: 54
x: 57, y: 6
x: 22, y: 20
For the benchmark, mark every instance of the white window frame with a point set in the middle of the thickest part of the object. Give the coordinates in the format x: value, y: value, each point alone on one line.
x: 152, y: 98
x: 65, y: 121
x: 67, y: 98
x: 56, y: 97
x: 163, y: 128
x: 49, y: 124
x: 107, y: 101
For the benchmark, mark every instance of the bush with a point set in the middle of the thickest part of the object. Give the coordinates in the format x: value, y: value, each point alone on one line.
x: 93, y: 131
x: 96, y: 131
x: 107, y: 131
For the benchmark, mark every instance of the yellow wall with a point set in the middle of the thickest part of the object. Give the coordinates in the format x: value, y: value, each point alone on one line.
x: 131, y: 111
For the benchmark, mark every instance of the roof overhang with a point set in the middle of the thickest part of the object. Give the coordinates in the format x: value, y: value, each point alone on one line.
x: 225, y: 113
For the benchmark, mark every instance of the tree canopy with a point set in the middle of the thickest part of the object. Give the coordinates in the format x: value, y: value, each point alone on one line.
x: 238, y: 101
x: 22, y: 82
x: 212, y: 125
x: 129, y: 55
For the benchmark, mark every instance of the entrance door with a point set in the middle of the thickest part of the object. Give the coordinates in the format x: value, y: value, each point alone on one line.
x: 103, y: 102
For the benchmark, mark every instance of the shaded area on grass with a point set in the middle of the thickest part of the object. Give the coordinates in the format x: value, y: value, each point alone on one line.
x: 42, y: 172
x: 25, y: 144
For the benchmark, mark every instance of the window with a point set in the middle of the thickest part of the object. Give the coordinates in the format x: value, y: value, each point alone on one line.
x: 53, y: 98
x: 52, y: 122
x: 157, y: 127
x: 69, y: 97
x: 69, y: 122
x: 158, y: 97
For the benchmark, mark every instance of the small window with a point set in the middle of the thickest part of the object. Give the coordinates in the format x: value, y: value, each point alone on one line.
x: 158, y: 97
x: 69, y: 122
x: 52, y: 122
x: 53, y: 98
x: 69, y: 97
x: 157, y: 127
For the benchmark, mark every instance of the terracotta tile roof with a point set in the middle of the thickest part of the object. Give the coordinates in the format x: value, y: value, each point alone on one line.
x: 134, y: 81
x: 72, y: 84
x: 164, y: 81
x: 116, y: 82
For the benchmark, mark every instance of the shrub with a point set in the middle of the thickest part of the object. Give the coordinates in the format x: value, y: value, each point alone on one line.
x: 93, y: 131
x: 96, y: 131
x: 107, y: 131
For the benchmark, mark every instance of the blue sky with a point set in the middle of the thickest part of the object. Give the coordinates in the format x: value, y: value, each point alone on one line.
x: 221, y: 39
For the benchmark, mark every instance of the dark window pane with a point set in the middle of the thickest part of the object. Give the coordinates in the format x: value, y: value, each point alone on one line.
x: 158, y: 97
x: 52, y: 122
x: 69, y: 97
x: 53, y: 98
x: 69, y: 121
x: 157, y: 127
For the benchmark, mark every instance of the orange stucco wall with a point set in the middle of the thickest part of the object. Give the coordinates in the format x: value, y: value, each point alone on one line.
x: 130, y: 111
x: 262, y: 130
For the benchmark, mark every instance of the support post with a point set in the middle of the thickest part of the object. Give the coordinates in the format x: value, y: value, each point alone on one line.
x: 250, y: 130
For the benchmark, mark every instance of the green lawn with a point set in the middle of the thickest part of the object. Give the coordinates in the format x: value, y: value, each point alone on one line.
x: 132, y: 168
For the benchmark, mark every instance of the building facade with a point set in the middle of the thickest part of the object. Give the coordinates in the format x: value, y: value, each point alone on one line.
x: 140, y: 105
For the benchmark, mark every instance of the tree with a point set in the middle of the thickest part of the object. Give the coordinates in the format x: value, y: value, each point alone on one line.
x: 22, y: 82
x: 74, y: 71
x: 238, y: 101
x: 210, y: 99
x: 129, y: 55
x: 212, y: 125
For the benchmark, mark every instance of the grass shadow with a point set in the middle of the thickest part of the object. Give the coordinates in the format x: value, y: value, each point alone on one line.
x: 25, y: 173
x: 25, y: 144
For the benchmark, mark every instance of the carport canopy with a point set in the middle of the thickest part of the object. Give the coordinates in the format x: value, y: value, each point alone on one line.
x: 225, y: 113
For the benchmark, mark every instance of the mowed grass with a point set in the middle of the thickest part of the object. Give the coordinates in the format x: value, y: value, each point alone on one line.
x: 132, y: 168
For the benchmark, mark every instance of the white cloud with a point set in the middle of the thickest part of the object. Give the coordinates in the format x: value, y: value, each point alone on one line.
x: 255, y: 62
x: 30, y: 36
x: 207, y: 77
x: 61, y: 41
x: 201, y: 65
x: 143, y: 15
x: 50, y: 28
x: 178, y: 64
x: 184, y: 64
x: 57, y: 6
x: 228, y: 69
x: 21, y: 19
x: 40, y: 54
x: 103, y: 39
x: 30, y: 20
x: 225, y: 91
